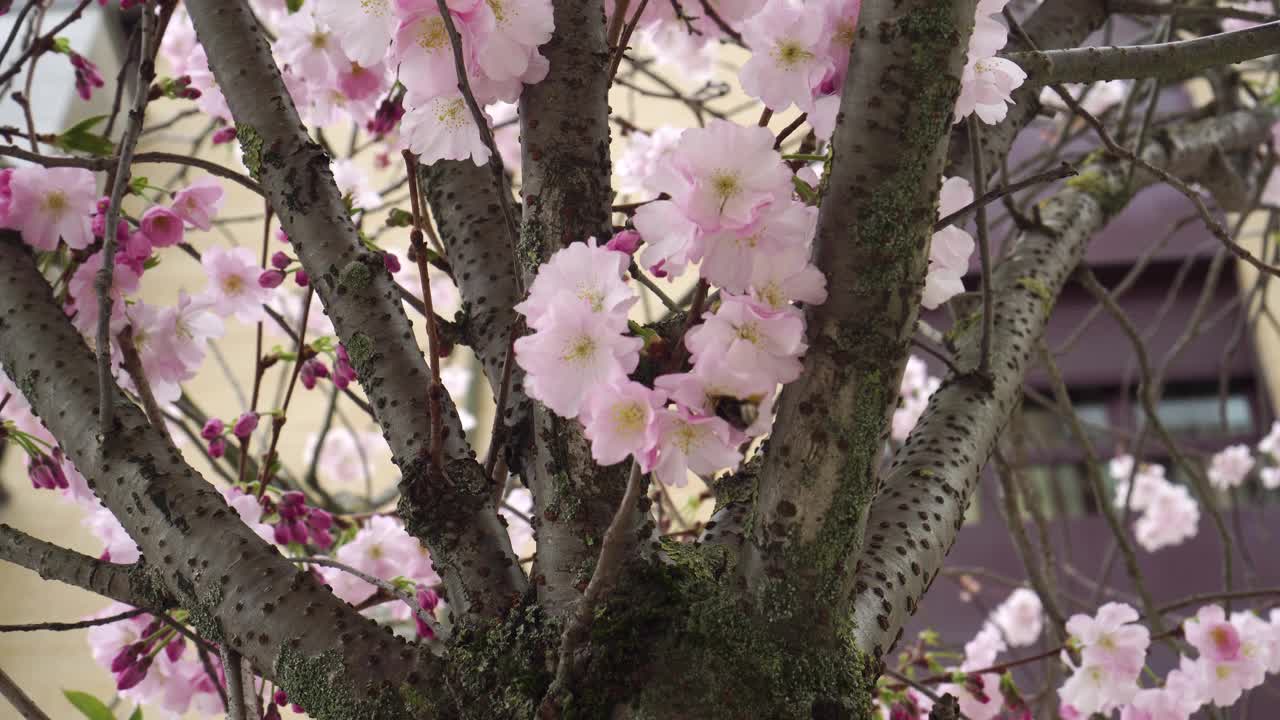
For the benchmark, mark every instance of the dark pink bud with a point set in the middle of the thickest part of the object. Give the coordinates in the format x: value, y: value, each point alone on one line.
x: 428, y: 599
x: 126, y: 657
x: 280, y: 697
x: 301, y: 278
x: 270, y: 279
x: 225, y: 135
x: 134, y: 674
x: 279, y: 260
x: 656, y: 269
x: 392, y: 261
x: 245, y: 425
x: 272, y: 713
x: 174, y: 649
x: 212, y: 429
x: 217, y: 448
x: 627, y: 241
x: 319, y: 519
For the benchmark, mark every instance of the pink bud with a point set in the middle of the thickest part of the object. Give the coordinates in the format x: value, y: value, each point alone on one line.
x: 392, y: 261
x: 270, y: 279
x: 134, y: 674
x: 212, y: 429
x: 225, y: 135
x: 245, y: 425
x: 174, y: 649
x: 280, y: 697
x: 627, y: 241
x: 217, y: 448
x: 279, y: 260
x: 302, y: 278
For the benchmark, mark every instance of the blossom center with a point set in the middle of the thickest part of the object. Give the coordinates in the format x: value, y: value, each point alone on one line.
x: 629, y: 418
x: 55, y: 202
x: 749, y: 332
x: 725, y: 184
x: 844, y: 32
x: 233, y: 284
x: 790, y: 53
x: 593, y: 296
x: 374, y: 7
x: 687, y: 438
x: 580, y: 350
x: 319, y: 40
x: 451, y: 113
x: 499, y: 11
x: 432, y: 34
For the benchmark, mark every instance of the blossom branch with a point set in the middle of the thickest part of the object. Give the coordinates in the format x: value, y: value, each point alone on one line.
x: 208, y: 561
x: 1163, y: 60
x: 937, y: 468
x: 1062, y: 171
x: 108, y: 163
x: 68, y: 626
x: 471, y: 548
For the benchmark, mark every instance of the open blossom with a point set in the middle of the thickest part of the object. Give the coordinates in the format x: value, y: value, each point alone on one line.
x: 987, y: 82
x: 351, y: 180
x: 162, y: 226
x: 199, y: 202
x: 760, y: 343
x: 689, y: 442
x: 575, y: 351
x: 509, y: 33
x: 621, y: 420
x: 1229, y: 467
x: 950, y: 249
x: 712, y: 383
x: 1020, y: 617
x: 671, y: 239
x: 422, y: 43
x: 1148, y: 482
x: 788, y: 59
x: 46, y: 204
x: 721, y: 174
x: 84, y: 295
x: 644, y: 153
x: 233, y: 283
x: 363, y: 28
x: 1233, y: 654
x: 442, y: 128
x: 309, y: 47
x: 1112, y: 639
x: 731, y: 254
x: 582, y: 274
x: 347, y: 456
x: 1270, y: 444
x: 787, y: 276
x: 1096, y: 689
x: 384, y: 550
x: 1171, y: 517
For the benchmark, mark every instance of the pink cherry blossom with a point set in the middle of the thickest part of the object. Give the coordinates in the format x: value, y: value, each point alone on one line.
x: 363, y: 28
x: 118, y: 547
x: 383, y: 549
x: 309, y: 47
x: 442, y: 128
x: 1171, y: 517
x: 755, y: 341
x: 233, y: 283
x: 913, y: 397
x: 249, y: 509
x: 788, y: 59
x: 1020, y: 617
x: 583, y: 274
x: 51, y: 203
x: 422, y: 42
x: 1213, y: 635
x: 712, y: 381
x: 1229, y: 467
x: 162, y: 226
x: 199, y: 202
x: 723, y: 173
x: 620, y: 419
x: 1097, y: 689
x: 644, y: 153
x: 1111, y: 640
x: 950, y: 249
x: 575, y: 351
x: 509, y: 33
x: 347, y: 456
x: 671, y: 240
x: 691, y: 443
x: 787, y: 276
x: 731, y: 254
x: 1155, y: 704
x: 84, y: 294
x: 353, y: 181
x: 987, y: 81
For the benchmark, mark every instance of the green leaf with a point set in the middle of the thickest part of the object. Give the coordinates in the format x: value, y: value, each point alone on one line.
x: 293, y: 5
x: 90, y: 706
x: 137, y: 185
x: 61, y: 45
x: 137, y: 713
x: 80, y: 137
x: 399, y: 218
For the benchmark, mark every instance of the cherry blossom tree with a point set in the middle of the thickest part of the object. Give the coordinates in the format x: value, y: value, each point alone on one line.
x: 783, y: 377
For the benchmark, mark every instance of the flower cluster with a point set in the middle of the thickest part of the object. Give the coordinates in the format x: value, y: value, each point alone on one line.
x: 913, y: 397
x: 988, y: 82
x: 1234, y: 654
x: 950, y: 248
x: 1169, y: 515
x: 731, y: 211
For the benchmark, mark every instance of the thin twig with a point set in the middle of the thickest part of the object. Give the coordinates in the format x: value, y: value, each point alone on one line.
x: 436, y: 391
x: 235, y: 683
x: 25, y: 706
x: 481, y: 121
x: 108, y: 163
x: 79, y: 625
x: 1062, y: 171
x: 133, y: 366
x: 137, y: 116
x: 373, y: 580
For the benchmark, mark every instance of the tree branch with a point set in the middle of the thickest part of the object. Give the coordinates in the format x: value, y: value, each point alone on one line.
x: 134, y: 585
x: 457, y: 522
x: 564, y: 126
x: 918, y: 513
x: 236, y: 587
x: 21, y: 702
x: 872, y: 243
x: 1164, y: 60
